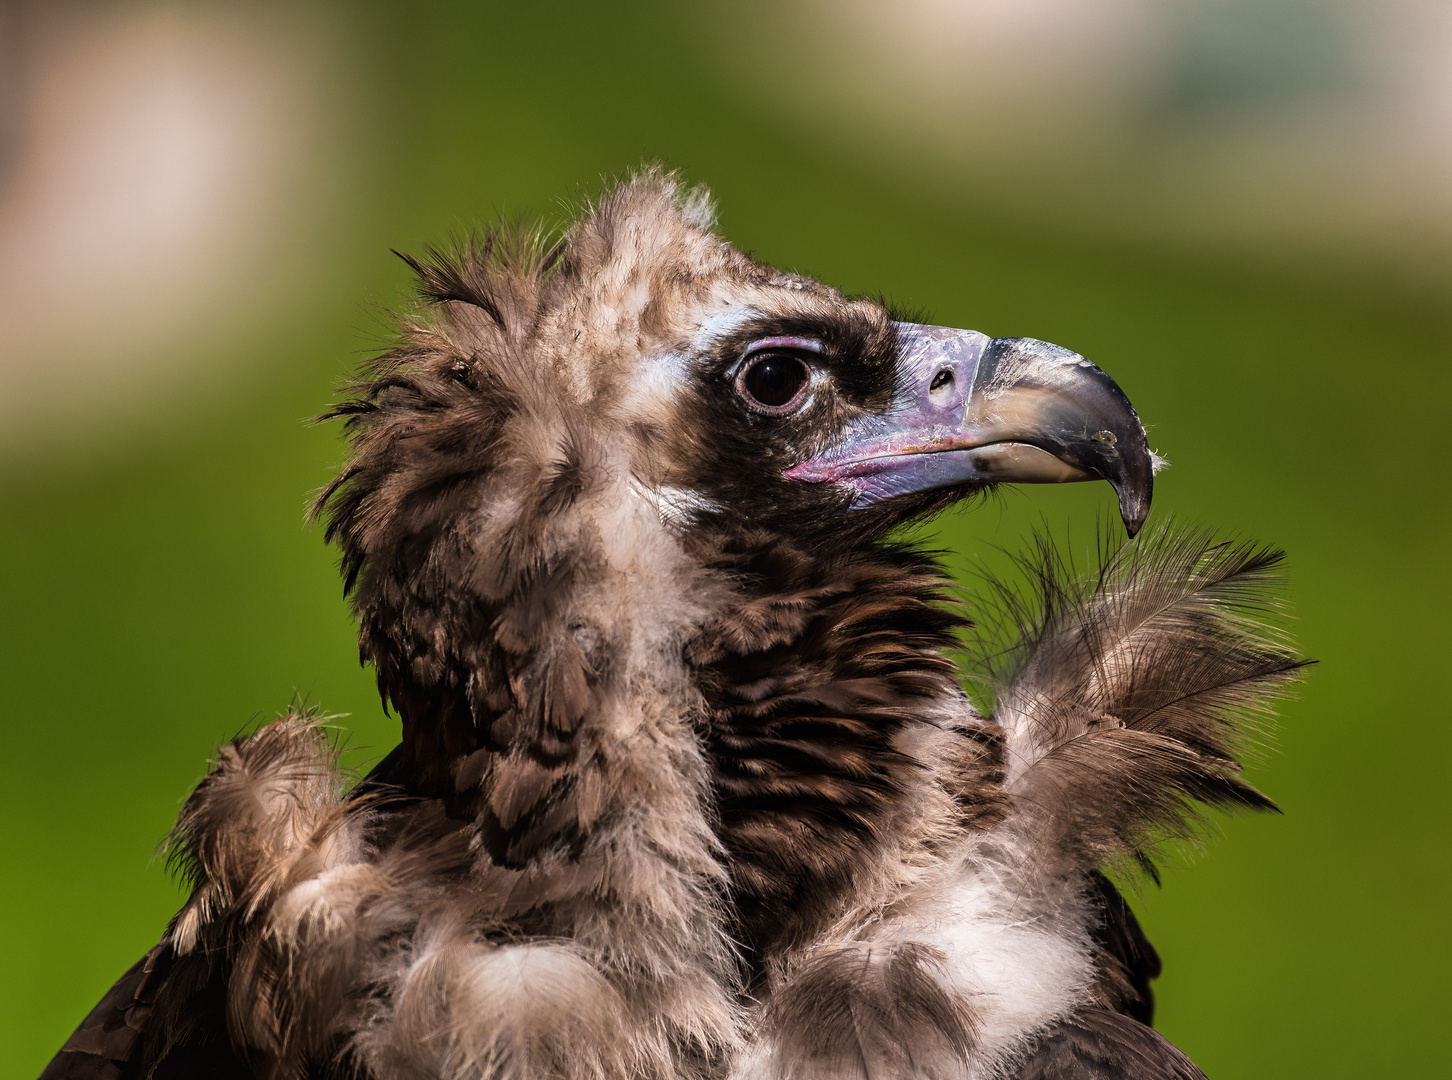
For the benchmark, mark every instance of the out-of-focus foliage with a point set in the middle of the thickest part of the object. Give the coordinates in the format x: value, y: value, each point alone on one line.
x: 158, y: 590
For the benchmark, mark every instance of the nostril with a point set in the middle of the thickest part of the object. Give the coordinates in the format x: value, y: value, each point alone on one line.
x: 942, y: 383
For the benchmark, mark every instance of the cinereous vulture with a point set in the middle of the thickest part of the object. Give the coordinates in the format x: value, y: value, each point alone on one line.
x: 689, y: 784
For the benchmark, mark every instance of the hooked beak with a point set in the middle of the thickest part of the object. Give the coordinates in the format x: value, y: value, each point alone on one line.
x: 970, y: 409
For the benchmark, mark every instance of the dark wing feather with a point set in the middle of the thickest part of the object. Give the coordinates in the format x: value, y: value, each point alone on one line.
x: 1126, y: 962
x: 125, y: 1038
x: 1095, y: 1044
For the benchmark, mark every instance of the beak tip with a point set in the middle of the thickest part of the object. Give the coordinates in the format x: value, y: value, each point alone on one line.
x: 1134, y: 508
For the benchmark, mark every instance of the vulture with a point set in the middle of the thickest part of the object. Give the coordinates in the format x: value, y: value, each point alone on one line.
x: 690, y: 785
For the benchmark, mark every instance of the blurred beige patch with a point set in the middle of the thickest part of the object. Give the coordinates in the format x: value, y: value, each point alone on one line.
x: 160, y: 165
x: 1295, y: 125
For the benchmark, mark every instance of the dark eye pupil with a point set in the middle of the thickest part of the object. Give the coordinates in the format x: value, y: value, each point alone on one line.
x: 775, y: 380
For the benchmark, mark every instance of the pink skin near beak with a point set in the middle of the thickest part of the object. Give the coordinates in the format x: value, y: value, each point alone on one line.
x: 969, y: 409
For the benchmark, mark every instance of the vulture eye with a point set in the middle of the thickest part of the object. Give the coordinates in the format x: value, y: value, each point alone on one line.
x: 773, y: 381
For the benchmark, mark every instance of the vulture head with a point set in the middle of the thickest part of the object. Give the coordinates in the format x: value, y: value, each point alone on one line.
x: 722, y: 391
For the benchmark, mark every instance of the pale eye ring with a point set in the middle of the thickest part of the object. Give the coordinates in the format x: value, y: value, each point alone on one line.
x: 774, y: 380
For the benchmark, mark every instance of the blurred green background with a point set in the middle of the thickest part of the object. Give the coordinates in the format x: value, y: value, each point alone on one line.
x: 1286, y: 338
